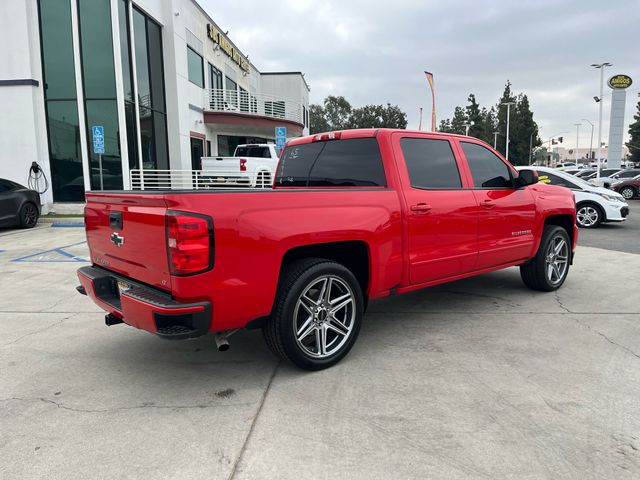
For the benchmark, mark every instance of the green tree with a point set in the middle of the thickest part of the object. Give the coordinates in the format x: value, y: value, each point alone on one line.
x: 445, y: 126
x: 337, y: 112
x: 317, y: 121
x: 523, y: 130
x: 474, y: 118
x: 378, y: 116
x: 634, y: 139
x: 458, y: 121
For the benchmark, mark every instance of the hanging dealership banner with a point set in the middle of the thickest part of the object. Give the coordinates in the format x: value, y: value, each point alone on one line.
x: 619, y: 84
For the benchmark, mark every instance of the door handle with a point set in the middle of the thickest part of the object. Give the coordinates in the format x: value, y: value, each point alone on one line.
x: 421, y: 208
x: 488, y: 204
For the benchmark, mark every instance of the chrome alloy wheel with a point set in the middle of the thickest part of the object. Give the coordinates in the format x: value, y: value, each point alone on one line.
x: 324, y: 316
x: 556, y: 260
x: 627, y: 193
x: 587, y: 216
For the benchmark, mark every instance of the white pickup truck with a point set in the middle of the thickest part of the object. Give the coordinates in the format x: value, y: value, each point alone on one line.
x: 253, y: 165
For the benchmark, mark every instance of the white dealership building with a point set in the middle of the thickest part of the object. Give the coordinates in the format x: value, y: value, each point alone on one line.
x: 161, y: 77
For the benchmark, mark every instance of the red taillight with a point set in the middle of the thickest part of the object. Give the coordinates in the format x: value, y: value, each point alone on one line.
x: 189, y: 243
x: 322, y: 137
x: 243, y: 165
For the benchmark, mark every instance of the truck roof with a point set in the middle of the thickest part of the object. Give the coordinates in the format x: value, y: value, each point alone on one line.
x: 363, y: 133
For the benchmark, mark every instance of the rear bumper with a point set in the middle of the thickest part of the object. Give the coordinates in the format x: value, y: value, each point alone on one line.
x: 144, y: 307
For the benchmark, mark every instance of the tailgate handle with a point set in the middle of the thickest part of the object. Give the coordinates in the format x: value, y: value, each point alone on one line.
x: 115, y: 220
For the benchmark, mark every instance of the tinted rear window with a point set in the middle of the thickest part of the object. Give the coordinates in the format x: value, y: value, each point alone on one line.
x: 257, y: 152
x: 335, y: 163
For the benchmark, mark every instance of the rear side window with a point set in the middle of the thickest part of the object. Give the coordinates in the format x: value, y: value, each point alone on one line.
x: 256, y: 152
x: 431, y: 163
x: 487, y: 170
x: 628, y: 173
x: 335, y: 163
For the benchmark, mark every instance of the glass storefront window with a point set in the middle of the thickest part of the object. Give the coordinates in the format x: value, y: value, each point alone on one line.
x: 104, y: 113
x: 61, y: 103
x: 64, y: 148
x: 96, y: 47
x: 196, y: 70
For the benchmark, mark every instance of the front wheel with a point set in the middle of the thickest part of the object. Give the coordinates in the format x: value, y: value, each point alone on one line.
x: 548, y: 270
x: 588, y: 215
x: 627, y: 192
x: 317, y: 314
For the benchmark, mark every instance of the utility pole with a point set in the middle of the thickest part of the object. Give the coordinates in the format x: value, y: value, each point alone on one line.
x: 508, y: 104
x: 601, y: 66
x: 577, y: 139
x: 591, y: 142
x: 495, y: 140
x: 466, y: 128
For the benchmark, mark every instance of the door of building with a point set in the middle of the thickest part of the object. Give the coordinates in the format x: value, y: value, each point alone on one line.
x: 197, y: 152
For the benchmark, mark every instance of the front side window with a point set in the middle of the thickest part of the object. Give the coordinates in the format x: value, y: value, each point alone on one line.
x: 334, y: 163
x: 196, y: 70
x: 487, y: 169
x: 430, y: 163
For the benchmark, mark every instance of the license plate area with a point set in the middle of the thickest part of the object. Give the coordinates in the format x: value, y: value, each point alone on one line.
x: 122, y: 286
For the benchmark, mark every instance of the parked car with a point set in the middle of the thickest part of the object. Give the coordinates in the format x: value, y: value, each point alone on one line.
x: 594, y: 205
x: 585, y: 172
x: 252, y: 165
x: 19, y: 206
x: 570, y: 171
x: 353, y: 216
x: 567, y: 165
x: 628, y: 188
x: 618, y: 176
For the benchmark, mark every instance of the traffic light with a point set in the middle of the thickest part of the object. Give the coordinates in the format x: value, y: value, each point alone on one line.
x: 560, y: 139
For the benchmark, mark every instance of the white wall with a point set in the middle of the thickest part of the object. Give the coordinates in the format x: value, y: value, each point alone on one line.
x: 22, y: 120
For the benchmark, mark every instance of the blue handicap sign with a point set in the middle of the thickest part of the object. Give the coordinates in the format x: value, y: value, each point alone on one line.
x: 98, y: 139
x: 281, y: 136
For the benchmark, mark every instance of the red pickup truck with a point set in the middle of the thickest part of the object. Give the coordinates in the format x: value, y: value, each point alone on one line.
x: 353, y: 216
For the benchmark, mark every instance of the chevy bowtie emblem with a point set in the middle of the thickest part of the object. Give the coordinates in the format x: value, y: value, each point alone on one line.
x: 116, y: 239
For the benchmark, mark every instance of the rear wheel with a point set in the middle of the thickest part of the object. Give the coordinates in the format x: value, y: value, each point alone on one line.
x: 29, y: 215
x: 627, y: 192
x: 317, y: 314
x: 589, y: 215
x: 548, y: 270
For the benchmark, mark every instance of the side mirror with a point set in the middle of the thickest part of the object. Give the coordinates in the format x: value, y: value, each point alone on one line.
x: 526, y: 177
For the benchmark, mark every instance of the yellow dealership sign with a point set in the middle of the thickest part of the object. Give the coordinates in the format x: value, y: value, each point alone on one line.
x: 227, y: 47
x: 620, y: 81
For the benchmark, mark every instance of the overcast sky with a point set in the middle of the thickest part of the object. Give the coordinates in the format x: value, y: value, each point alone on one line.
x: 376, y: 51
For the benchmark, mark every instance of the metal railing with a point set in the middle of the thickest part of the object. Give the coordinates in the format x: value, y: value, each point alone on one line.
x: 146, y: 179
x: 221, y: 100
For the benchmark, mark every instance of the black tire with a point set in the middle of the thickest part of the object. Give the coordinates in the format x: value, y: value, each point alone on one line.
x: 536, y: 272
x: 281, y: 331
x: 628, y: 193
x: 29, y: 215
x: 589, y: 215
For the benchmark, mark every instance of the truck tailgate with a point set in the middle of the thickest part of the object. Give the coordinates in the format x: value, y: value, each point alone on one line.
x: 126, y: 234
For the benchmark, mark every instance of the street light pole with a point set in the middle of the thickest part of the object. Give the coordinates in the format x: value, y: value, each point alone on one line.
x: 495, y: 140
x: 466, y: 128
x: 508, y: 104
x: 531, y: 145
x: 591, y: 142
x: 601, y: 66
x: 577, y: 140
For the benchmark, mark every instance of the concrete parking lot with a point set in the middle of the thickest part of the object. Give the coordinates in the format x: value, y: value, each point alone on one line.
x: 480, y: 378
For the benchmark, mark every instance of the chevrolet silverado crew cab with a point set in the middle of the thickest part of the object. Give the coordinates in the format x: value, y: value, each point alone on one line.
x: 353, y: 216
x: 252, y: 165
